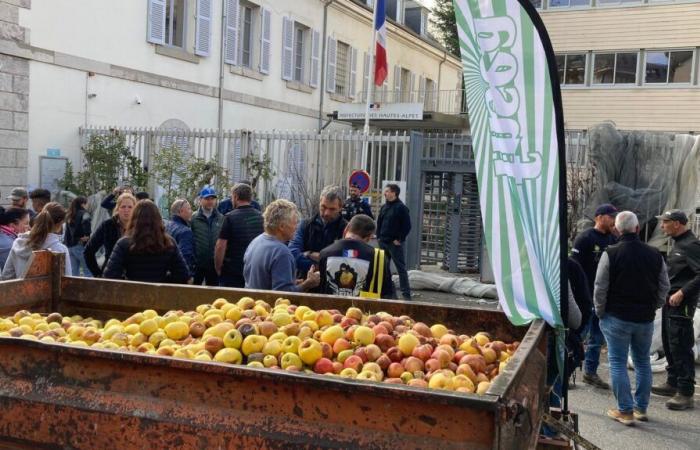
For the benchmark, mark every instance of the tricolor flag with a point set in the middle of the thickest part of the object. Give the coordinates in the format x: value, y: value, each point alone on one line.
x: 381, y: 68
x: 350, y: 253
x: 515, y: 111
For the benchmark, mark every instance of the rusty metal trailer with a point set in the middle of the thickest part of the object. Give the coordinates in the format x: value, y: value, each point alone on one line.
x: 59, y: 396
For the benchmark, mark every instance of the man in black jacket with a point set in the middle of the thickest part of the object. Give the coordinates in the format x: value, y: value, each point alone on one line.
x: 317, y: 233
x: 350, y: 266
x: 355, y: 205
x: 679, y: 310
x: 393, y: 226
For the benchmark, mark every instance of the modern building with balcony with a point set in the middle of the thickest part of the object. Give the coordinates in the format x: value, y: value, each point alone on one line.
x: 201, y: 64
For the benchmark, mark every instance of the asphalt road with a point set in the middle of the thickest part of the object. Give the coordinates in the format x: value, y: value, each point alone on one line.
x: 666, y: 429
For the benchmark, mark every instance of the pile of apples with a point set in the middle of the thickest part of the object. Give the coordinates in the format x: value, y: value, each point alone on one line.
x: 376, y: 347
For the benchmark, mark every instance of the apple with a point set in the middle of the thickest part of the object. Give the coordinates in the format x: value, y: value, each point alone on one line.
x: 345, y: 354
x: 438, y: 330
x: 394, y: 370
x: 374, y: 367
x: 477, y: 362
x: 386, y: 324
x: 483, y: 387
x: 197, y: 329
x: 363, y: 335
x: 233, y: 339
x: 323, y: 365
x: 440, y: 381
x: 442, y: 356
x: 422, y: 352
x: 470, y: 346
x: 448, y: 349
x: 229, y: 355
x: 489, y: 355
x: 279, y: 336
x: 269, y: 361
x: 213, y: 344
x: 348, y: 372
x: 482, y: 338
x: 353, y: 362
x: 417, y: 383
x: 449, y: 339
x: 248, y: 329
x: 466, y: 369
x: 326, y: 350
x: 362, y: 353
x: 273, y: 348
x: 253, y: 344
x: 413, y: 364
x: 432, y: 365
x: 310, y: 351
x: 324, y: 318
x: 394, y: 354
x: 394, y: 381
x: 281, y: 318
x: 407, y: 342
x: 347, y: 322
x: 337, y: 367
x: 383, y: 362
x: 332, y: 334
x: 354, y: 313
x: 291, y: 344
x: 341, y: 344
x: 350, y: 332
x: 481, y: 377
x: 290, y: 359
x: 462, y: 381
x: 291, y: 330
x: 422, y: 329
x: 373, y: 352
x: 379, y: 330
x: 337, y: 317
x: 305, y: 332
x: 385, y: 341
x: 267, y: 328
x: 458, y: 356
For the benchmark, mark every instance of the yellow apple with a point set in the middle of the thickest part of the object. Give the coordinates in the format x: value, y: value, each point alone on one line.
x: 253, y: 344
x: 364, y: 336
x: 310, y: 351
x: 233, y: 338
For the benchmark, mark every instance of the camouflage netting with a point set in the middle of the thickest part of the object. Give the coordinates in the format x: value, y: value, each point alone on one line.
x: 644, y: 172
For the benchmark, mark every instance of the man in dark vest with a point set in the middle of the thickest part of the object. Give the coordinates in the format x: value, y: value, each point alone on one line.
x: 679, y: 310
x: 631, y: 284
x: 318, y: 232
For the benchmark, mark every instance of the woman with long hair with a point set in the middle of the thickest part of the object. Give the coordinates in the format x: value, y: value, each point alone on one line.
x: 146, y: 252
x: 76, y: 235
x: 108, y: 233
x: 44, y: 235
x: 13, y: 222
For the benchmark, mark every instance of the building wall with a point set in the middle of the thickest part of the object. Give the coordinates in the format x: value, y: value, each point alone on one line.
x: 91, y: 61
x: 650, y: 26
x: 14, y: 104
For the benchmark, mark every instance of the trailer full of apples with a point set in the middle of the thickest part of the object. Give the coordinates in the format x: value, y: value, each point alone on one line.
x: 376, y: 347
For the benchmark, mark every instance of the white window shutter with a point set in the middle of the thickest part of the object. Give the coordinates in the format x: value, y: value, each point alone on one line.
x: 265, y: 41
x: 315, y: 58
x: 365, y: 79
x: 353, y: 72
x: 203, y: 28
x: 156, y: 21
x: 287, y: 48
x: 421, y: 89
x: 411, y: 94
x: 397, y: 84
x: 331, y: 58
x: 435, y: 96
x: 231, y: 48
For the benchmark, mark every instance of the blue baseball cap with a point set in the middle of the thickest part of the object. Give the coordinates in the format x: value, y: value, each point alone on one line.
x: 606, y: 209
x: 207, y: 191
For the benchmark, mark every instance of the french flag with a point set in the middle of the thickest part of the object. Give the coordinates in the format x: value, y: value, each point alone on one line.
x: 381, y: 68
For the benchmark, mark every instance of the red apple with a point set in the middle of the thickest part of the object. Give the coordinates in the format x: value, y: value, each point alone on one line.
x: 422, y: 329
x: 337, y: 367
x: 442, y: 356
x: 350, y: 332
x: 353, y: 362
x: 432, y: 365
x: 323, y: 365
x: 394, y: 354
x: 448, y: 349
x: 386, y: 324
x: 394, y: 370
x: 341, y: 344
x: 423, y: 352
x: 374, y: 319
x: 361, y: 352
x: 326, y: 350
x: 383, y: 361
x: 385, y: 341
x: 452, y: 366
x: 379, y: 330
x: 458, y: 356
x: 449, y: 339
x: 400, y: 329
x: 347, y: 322
x: 337, y: 318
x: 413, y: 364
x: 477, y: 363
x: 466, y: 369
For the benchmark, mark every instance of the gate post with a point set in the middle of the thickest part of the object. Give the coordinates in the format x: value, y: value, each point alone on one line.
x: 455, y: 223
x: 414, y: 192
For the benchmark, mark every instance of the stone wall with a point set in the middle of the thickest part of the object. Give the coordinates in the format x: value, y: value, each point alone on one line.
x: 14, y: 99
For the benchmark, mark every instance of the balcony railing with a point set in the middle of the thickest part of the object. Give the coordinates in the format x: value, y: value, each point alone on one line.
x: 446, y: 102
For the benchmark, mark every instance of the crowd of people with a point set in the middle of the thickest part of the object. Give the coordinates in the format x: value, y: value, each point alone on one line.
x: 232, y: 243
x: 628, y: 281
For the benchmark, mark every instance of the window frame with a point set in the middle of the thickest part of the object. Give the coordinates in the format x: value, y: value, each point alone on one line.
x: 614, y: 84
x: 241, y: 22
x: 183, y: 20
x: 669, y: 85
x: 586, y: 69
x: 305, y: 52
x: 346, y: 72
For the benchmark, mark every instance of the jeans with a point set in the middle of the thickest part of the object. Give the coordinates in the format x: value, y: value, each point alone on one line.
x: 77, y: 260
x: 623, y: 336
x: 678, y: 339
x: 397, y: 255
x: 593, y: 342
x: 206, y: 274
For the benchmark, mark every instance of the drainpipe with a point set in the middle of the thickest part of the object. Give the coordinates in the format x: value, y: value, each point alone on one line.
x: 220, y: 119
x: 439, y: 81
x: 323, y: 61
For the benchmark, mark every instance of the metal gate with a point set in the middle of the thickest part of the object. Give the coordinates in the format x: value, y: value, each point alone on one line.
x: 449, y: 218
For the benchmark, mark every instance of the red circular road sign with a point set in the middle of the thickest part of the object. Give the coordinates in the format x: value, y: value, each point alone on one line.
x: 361, y: 179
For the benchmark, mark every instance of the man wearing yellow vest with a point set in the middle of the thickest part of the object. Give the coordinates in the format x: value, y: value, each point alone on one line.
x: 352, y: 268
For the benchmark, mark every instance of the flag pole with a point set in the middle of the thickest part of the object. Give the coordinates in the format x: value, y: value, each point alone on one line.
x: 370, y: 88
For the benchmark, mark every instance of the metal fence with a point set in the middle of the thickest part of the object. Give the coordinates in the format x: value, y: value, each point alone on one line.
x: 301, y: 162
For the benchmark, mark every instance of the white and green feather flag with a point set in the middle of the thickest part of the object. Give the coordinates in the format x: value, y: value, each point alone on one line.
x: 517, y: 127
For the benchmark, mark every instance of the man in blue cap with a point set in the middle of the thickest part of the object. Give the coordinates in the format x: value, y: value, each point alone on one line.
x: 206, y: 225
x: 588, y: 248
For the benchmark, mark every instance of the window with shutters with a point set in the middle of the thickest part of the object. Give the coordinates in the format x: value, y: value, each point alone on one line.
x: 342, y: 73
x: 175, y: 20
x: 429, y: 95
x: 246, y: 35
x: 406, y: 86
x: 300, y: 32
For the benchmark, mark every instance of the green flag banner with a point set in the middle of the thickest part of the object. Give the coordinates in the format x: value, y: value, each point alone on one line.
x: 517, y: 135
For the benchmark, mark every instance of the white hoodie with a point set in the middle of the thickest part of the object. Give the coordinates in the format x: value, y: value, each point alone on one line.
x: 17, y: 260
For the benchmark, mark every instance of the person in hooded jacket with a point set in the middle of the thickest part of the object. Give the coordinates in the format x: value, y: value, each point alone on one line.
x: 108, y: 233
x: 13, y: 222
x: 44, y: 235
x: 178, y: 227
x: 77, y: 234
